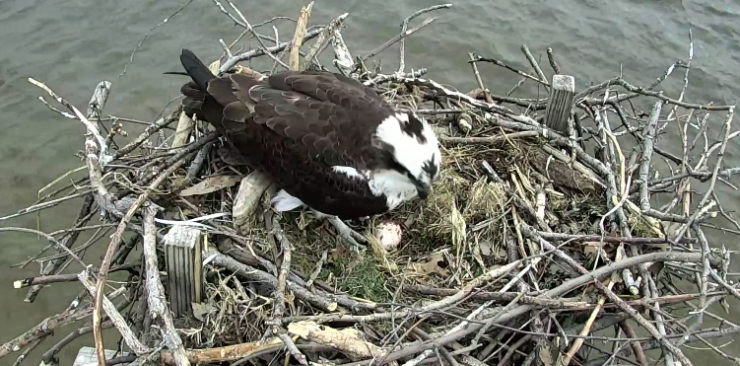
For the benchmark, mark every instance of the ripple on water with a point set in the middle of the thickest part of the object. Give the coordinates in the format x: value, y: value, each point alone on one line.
x: 72, y: 45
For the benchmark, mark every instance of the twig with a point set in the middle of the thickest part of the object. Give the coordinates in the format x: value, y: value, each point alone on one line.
x: 535, y: 65
x: 44, y: 205
x: 116, y: 239
x: 467, y: 289
x: 643, y: 91
x: 478, y: 79
x: 26, y: 351
x: 141, y: 41
x: 71, y: 277
x: 232, y: 61
x: 342, y: 57
x: 488, y: 139
x: 116, y: 318
x: 284, y: 269
x: 49, y: 356
x: 647, y: 152
x: 227, y: 353
x: 47, y: 237
x: 645, y: 324
x: 317, y: 48
x: 280, y: 291
x: 405, y: 27
x: 300, y: 31
x: 685, y: 78
x: 636, y: 346
x: 231, y: 264
x: 622, y: 305
x: 557, y: 291
x: 659, y: 320
x: 608, y: 239
x: 68, y: 240
x: 72, y: 314
x: 578, y: 342
x: 155, y: 291
x: 460, y: 96
x: 501, y: 64
x: 551, y: 58
x: 101, y: 148
x: 45, y: 280
x: 149, y: 131
x: 713, y: 180
x: 397, y: 38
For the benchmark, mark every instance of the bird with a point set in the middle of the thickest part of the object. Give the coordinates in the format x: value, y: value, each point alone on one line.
x: 332, y: 144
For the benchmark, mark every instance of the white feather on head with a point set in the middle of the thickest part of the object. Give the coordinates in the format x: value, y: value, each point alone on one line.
x: 411, y: 150
x: 415, y: 147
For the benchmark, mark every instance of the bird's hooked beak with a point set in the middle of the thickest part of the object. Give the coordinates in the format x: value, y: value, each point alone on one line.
x: 423, y: 189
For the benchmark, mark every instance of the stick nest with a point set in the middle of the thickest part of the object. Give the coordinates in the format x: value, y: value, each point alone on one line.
x: 534, y: 240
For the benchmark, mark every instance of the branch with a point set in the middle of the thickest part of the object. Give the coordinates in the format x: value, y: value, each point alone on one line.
x: 100, y: 92
x: 647, y: 152
x: 116, y: 318
x: 156, y: 299
x: 233, y: 60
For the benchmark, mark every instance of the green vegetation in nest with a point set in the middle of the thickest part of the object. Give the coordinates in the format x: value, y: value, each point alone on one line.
x: 359, y: 277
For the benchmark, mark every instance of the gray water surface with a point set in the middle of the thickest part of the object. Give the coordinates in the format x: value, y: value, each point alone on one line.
x: 72, y: 45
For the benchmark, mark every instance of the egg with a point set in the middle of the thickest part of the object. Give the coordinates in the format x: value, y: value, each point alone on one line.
x: 389, y: 234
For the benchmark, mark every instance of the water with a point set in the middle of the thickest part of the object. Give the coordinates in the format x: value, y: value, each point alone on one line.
x: 72, y: 45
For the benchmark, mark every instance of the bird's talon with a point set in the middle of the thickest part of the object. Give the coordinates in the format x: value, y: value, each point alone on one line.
x: 354, y: 245
x: 351, y: 237
x: 358, y: 237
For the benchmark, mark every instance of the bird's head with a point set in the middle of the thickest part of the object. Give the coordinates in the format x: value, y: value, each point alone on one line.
x: 411, y: 150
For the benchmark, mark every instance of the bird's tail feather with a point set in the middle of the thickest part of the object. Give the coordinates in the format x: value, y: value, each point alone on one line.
x: 199, y: 72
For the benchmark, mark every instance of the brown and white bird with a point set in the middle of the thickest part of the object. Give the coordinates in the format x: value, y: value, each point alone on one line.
x: 331, y: 143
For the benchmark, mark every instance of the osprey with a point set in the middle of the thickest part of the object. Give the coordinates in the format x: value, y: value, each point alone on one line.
x: 330, y: 143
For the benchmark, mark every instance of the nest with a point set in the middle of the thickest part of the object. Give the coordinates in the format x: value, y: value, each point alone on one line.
x: 528, y: 247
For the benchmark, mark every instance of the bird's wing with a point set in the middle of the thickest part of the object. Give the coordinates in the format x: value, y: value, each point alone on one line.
x: 334, y: 117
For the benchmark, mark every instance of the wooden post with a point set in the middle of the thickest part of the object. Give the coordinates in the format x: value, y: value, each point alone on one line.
x: 184, y: 260
x: 562, y: 93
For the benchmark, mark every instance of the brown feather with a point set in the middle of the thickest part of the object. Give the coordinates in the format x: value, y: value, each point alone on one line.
x: 312, y: 120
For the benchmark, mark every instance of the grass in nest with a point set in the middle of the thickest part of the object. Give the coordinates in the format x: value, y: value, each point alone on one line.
x: 229, y: 314
x: 441, y: 221
x: 459, y: 200
x: 358, y: 277
x: 465, y: 218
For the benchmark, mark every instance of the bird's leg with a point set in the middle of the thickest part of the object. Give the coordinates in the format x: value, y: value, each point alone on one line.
x: 350, y: 236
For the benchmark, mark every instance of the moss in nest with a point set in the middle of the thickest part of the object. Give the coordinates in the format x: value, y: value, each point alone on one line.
x: 358, y: 276
x: 309, y: 238
x: 306, y: 260
x: 581, y: 210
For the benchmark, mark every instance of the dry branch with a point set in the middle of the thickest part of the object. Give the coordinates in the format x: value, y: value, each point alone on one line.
x: 116, y: 318
x: 300, y: 31
x: 156, y: 300
x: 347, y: 340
